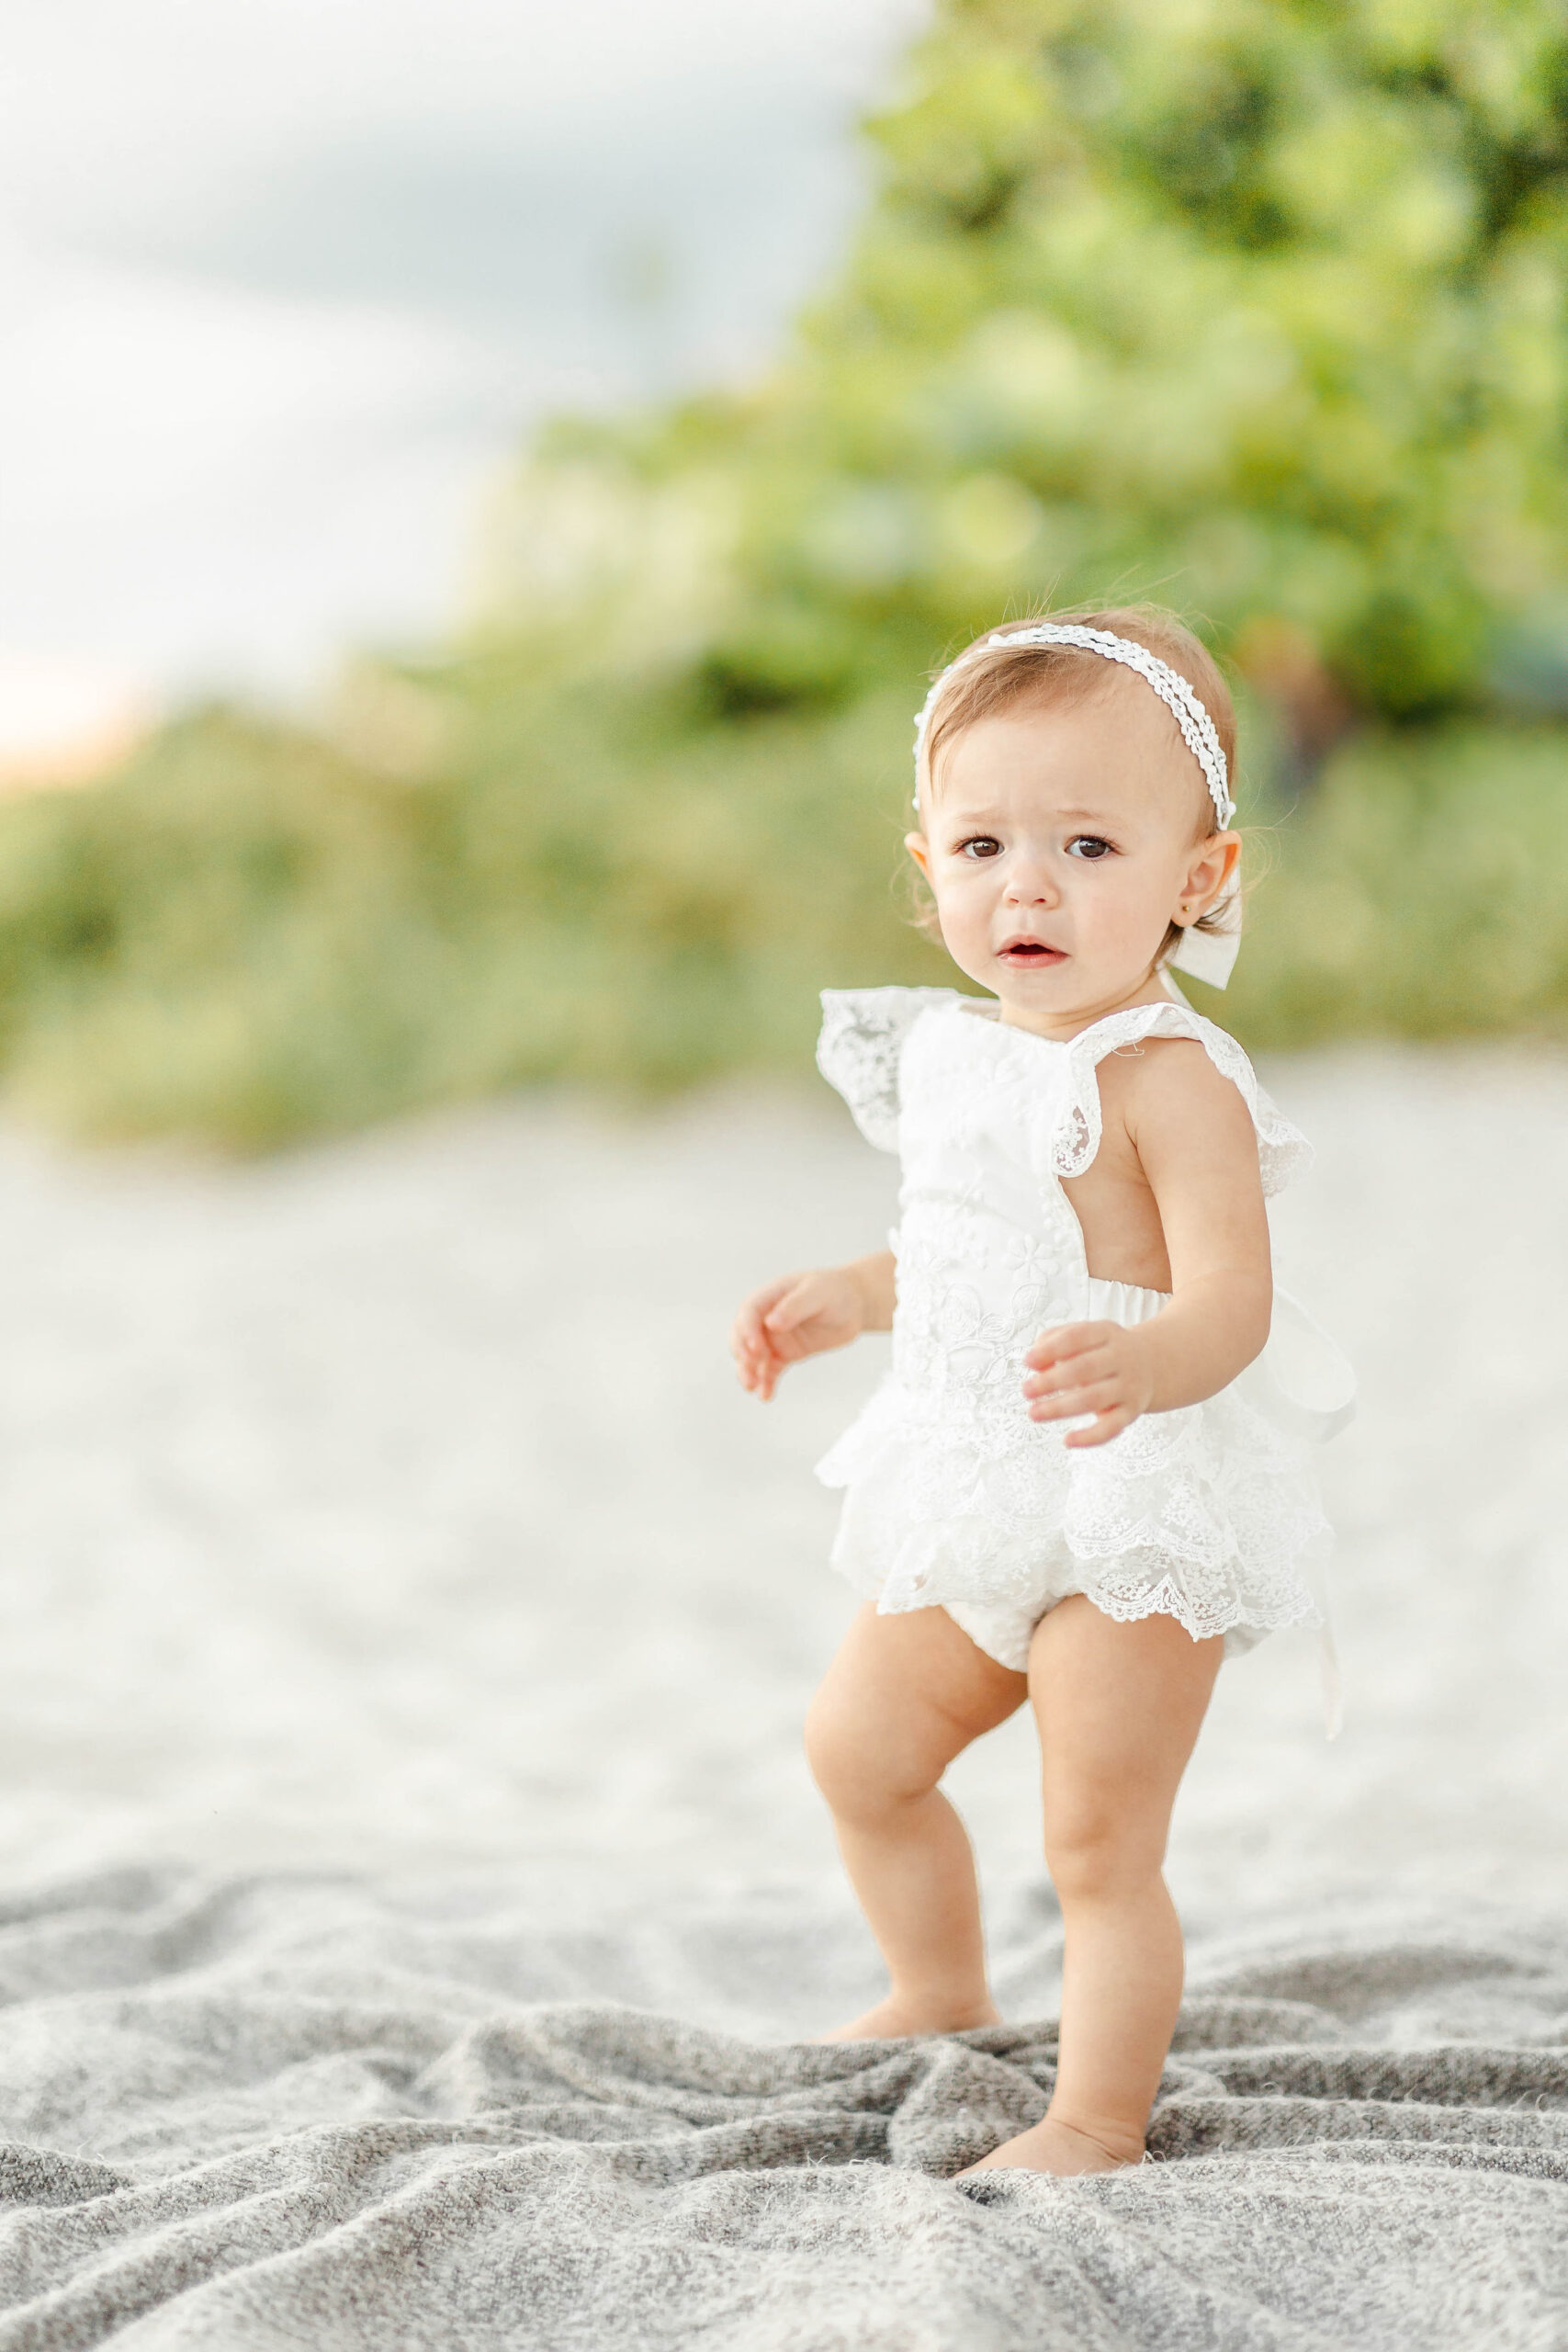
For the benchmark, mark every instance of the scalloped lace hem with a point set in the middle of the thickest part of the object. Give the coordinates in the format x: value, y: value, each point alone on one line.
x: 1240, y: 1603
x: 1003, y: 1631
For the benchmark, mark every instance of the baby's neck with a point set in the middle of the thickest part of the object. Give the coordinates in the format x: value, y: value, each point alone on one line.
x: 1070, y: 1021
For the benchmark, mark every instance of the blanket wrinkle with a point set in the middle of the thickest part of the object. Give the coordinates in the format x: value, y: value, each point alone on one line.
x: 314, y: 2119
x: 1214, y: 2023
x: 1343, y: 1982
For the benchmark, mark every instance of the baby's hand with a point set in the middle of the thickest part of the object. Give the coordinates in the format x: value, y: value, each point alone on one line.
x: 799, y: 1314
x: 1083, y: 1368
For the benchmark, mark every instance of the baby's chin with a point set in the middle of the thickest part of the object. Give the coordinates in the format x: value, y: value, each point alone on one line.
x: 1062, y: 990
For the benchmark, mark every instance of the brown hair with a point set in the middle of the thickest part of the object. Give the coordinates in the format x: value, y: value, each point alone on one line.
x: 984, y: 685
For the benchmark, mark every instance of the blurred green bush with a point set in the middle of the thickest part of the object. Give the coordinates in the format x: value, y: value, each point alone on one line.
x: 1256, y: 306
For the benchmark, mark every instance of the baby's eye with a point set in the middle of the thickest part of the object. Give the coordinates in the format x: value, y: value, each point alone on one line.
x: 980, y: 845
x: 1091, y: 845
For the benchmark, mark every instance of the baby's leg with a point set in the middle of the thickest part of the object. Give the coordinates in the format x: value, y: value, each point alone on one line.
x: 1118, y: 1708
x: 902, y: 1698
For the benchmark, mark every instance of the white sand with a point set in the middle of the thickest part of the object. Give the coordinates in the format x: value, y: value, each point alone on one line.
x: 393, y: 1506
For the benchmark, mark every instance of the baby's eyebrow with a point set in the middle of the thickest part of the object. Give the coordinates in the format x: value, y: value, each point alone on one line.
x: 991, y: 817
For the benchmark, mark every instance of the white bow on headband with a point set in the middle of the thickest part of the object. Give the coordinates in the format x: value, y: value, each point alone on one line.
x: 1207, y: 956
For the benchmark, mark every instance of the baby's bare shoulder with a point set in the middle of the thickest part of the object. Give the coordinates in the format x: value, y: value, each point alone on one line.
x: 1165, y: 1081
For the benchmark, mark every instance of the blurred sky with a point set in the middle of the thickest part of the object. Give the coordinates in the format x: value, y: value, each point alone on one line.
x: 282, y: 281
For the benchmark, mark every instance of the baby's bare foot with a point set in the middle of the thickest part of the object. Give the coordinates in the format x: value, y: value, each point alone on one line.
x: 894, y: 2020
x: 1055, y: 2148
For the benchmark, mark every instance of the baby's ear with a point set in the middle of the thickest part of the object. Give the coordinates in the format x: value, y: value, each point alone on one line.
x: 919, y: 850
x: 1213, y: 868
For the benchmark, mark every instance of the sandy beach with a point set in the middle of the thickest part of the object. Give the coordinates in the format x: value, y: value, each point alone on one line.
x: 413, y: 1907
x: 391, y: 1506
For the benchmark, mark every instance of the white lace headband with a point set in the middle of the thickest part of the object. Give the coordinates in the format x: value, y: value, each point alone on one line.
x: 1197, y: 728
x: 1208, y: 956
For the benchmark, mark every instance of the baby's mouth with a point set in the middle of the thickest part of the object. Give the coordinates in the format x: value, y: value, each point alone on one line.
x: 1031, y: 955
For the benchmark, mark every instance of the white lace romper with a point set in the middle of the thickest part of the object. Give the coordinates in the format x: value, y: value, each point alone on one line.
x: 953, y: 1496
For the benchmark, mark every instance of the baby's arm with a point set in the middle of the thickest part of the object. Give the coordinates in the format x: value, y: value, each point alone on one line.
x: 802, y: 1315
x: 1196, y: 1143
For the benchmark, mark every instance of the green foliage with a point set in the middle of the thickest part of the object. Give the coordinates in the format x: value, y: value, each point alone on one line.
x: 1255, y: 305
x: 1258, y: 306
x: 249, y: 939
x: 1420, y: 894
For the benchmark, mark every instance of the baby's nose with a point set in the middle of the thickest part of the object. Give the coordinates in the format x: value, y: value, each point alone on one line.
x: 1032, y: 882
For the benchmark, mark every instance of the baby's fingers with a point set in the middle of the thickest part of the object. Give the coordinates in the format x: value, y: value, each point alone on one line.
x: 746, y: 1332
x: 760, y: 1375
x: 1068, y: 1403
x: 755, y: 1359
x: 797, y: 1306
x: 1063, y: 1341
x: 1090, y: 1363
x: 747, y: 1339
x: 1105, y: 1426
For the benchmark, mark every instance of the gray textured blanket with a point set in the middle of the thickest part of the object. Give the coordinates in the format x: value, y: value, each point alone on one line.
x: 302, y: 2111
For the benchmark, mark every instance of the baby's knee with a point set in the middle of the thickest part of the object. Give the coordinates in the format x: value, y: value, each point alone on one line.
x: 1094, y: 1850
x: 851, y: 1765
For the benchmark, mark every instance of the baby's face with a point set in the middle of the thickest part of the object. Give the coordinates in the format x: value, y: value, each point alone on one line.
x: 1059, y: 843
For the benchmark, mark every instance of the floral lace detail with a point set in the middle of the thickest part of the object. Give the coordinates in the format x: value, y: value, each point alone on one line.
x: 953, y: 1494
x: 1207, y: 1515
x: 950, y: 1340
x: 863, y: 1035
x: 1283, y: 1151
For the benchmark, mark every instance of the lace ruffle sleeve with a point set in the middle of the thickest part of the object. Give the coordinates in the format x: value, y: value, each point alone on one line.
x: 1284, y: 1152
x: 863, y: 1035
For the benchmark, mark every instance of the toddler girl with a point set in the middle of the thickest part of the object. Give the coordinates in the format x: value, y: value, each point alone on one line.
x: 1084, y: 1480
